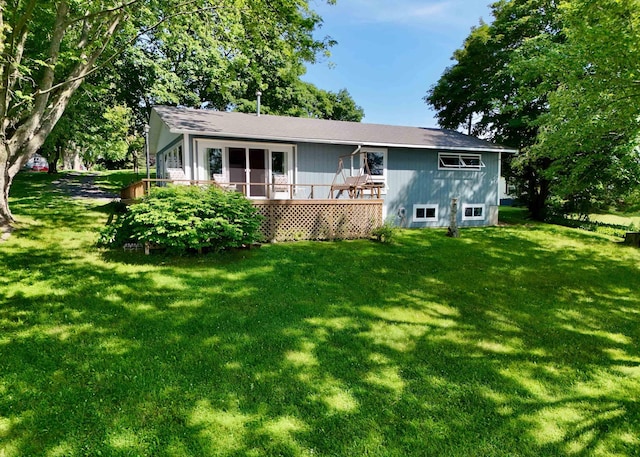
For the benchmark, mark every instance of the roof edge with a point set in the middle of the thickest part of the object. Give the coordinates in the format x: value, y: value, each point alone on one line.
x: 345, y: 143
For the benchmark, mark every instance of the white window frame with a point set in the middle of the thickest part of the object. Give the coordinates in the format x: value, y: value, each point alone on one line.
x: 202, y: 144
x: 175, y: 157
x: 461, y: 161
x: 288, y: 171
x: 378, y: 179
x: 473, y: 206
x: 223, y: 166
x: 416, y: 207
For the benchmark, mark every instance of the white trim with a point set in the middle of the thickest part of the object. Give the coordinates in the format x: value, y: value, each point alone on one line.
x: 224, y: 163
x: 202, y: 144
x: 342, y: 142
x: 473, y: 206
x: 385, y: 160
x: 461, y: 161
x: 499, y: 176
x: 288, y: 171
x: 414, y: 218
x: 177, y: 160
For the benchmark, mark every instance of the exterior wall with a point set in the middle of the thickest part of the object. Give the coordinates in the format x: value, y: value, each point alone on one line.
x: 318, y: 163
x: 414, y: 179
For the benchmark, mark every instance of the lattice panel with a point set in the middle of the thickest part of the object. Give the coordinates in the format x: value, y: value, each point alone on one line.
x: 291, y: 220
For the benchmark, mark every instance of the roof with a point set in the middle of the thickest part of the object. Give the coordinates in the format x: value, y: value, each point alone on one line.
x: 306, y: 130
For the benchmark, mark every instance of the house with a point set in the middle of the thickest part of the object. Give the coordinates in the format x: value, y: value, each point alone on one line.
x: 411, y: 173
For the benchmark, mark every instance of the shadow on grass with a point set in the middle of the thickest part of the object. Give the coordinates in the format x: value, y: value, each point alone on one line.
x: 509, y: 341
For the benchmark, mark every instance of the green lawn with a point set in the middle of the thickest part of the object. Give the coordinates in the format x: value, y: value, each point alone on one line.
x: 617, y: 219
x: 520, y: 340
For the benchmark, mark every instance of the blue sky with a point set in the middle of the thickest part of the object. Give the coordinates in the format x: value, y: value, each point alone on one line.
x: 390, y: 52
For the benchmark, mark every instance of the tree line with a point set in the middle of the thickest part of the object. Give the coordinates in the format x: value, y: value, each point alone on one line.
x: 560, y: 80
x: 83, y: 75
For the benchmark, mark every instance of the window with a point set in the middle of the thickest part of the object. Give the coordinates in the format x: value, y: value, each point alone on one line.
x: 460, y: 161
x: 278, y: 163
x: 215, y: 162
x: 174, y: 158
x: 473, y: 212
x: 374, y: 163
x: 425, y: 213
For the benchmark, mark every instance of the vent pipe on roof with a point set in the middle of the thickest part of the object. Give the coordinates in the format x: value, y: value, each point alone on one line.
x: 258, y: 94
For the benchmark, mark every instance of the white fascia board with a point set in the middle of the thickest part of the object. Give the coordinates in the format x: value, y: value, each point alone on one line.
x: 341, y: 142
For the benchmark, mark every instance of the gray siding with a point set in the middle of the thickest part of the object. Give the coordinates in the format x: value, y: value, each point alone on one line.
x: 414, y: 178
x: 318, y: 163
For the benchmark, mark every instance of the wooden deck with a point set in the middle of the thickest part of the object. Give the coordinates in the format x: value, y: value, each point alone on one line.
x: 305, y: 216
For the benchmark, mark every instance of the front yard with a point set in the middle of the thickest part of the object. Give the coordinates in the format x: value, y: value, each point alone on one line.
x: 521, y: 340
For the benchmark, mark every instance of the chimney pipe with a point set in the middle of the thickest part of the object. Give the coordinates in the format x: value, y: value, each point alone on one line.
x: 258, y: 94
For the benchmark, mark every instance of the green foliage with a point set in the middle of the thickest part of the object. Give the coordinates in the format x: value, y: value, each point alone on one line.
x: 186, y: 218
x: 137, y: 54
x: 302, y: 99
x: 591, y: 132
x: 218, y: 58
x: 560, y: 81
x: 488, y: 94
x: 384, y: 233
x: 603, y: 228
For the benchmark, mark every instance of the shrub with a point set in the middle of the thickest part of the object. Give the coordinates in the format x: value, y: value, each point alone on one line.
x: 183, y: 218
x: 384, y: 233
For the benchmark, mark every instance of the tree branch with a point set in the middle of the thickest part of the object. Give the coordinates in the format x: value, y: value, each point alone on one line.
x: 121, y: 49
x: 107, y: 12
x: 10, y: 68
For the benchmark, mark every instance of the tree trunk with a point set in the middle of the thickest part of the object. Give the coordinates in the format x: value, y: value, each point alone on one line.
x: 55, y: 157
x: 6, y: 218
x: 538, y: 195
x: 453, y: 230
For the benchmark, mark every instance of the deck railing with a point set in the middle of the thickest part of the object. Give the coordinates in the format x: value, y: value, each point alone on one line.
x: 298, y: 211
x: 141, y: 188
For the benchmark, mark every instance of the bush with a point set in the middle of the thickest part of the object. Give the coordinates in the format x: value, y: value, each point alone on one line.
x: 183, y: 218
x: 384, y: 233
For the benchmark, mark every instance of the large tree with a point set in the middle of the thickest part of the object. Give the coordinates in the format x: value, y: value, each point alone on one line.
x: 591, y: 134
x: 558, y: 79
x: 49, y: 47
x: 486, y: 96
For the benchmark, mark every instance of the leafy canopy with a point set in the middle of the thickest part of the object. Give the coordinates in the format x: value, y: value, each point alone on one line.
x: 559, y: 79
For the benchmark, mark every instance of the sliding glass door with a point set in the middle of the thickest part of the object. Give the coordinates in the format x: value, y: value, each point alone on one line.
x: 247, y: 168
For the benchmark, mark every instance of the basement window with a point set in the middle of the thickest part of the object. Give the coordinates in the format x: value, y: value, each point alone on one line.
x: 425, y: 213
x: 473, y: 212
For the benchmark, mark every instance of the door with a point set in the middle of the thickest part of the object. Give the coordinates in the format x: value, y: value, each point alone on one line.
x: 258, y: 172
x: 251, y: 179
x: 238, y: 168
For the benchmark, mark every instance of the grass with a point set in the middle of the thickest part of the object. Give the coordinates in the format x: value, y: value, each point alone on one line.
x: 520, y: 340
x: 617, y: 219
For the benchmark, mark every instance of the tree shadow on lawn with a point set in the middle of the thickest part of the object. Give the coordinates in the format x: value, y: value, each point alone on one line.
x: 430, y: 346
